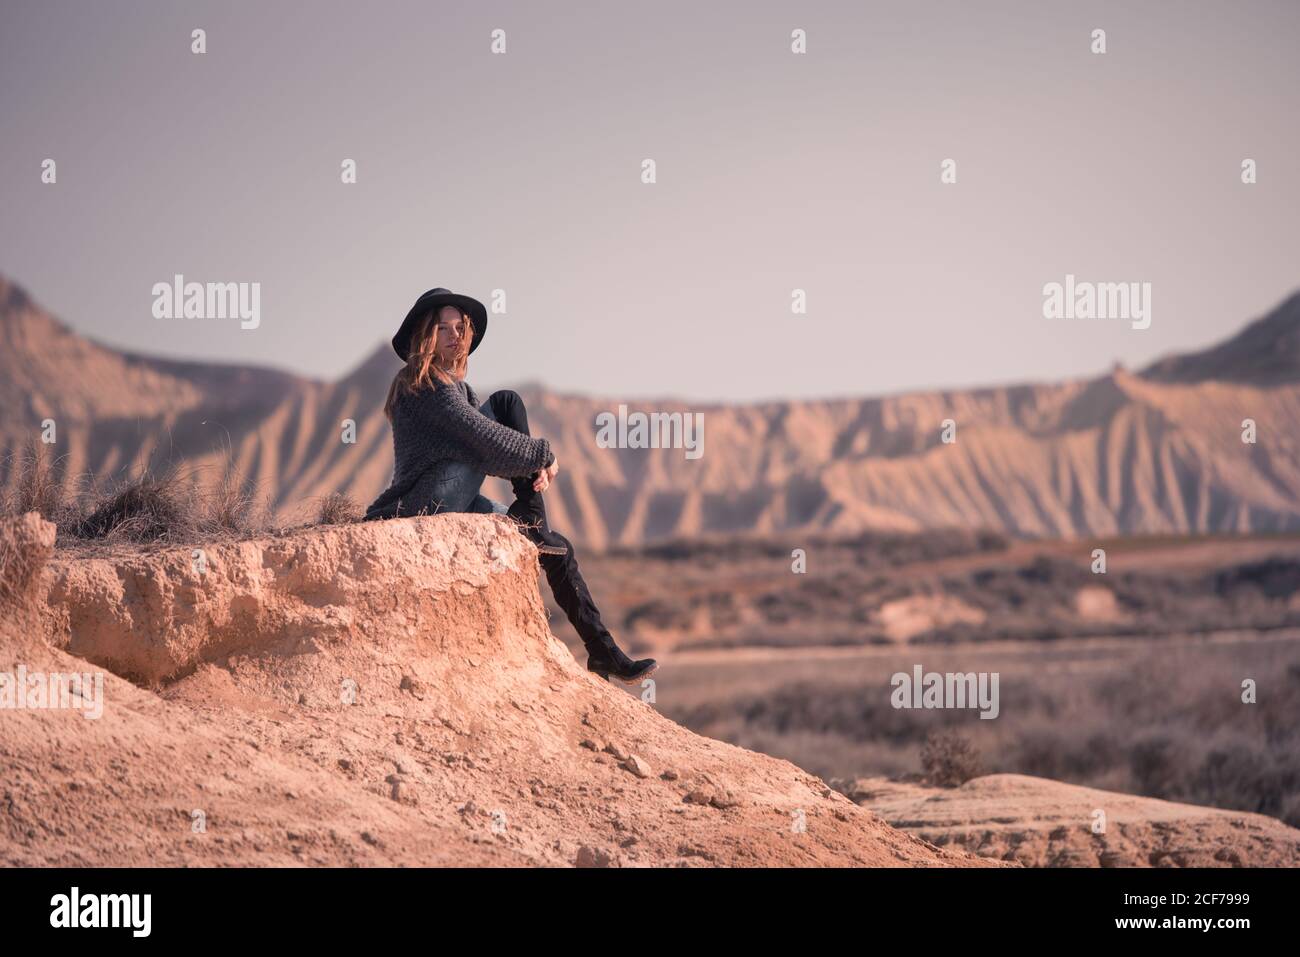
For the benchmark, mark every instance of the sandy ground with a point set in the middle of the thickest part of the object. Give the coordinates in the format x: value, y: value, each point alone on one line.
x: 1064, y: 825
x: 385, y: 693
x: 390, y: 693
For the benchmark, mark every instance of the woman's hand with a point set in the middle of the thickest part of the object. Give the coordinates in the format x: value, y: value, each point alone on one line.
x: 543, y: 480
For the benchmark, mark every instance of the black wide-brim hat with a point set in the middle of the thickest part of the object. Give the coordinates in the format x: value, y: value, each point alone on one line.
x: 435, y: 299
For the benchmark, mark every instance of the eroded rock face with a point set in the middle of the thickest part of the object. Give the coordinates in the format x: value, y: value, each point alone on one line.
x: 381, y: 693
x: 1037, y: 460
x: 1042, y: 823
x: 155, y: 617
x: 26, y: 543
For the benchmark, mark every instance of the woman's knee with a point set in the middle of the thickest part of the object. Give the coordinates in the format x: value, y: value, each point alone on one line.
x: 509, y: 408
x: 506, y: 398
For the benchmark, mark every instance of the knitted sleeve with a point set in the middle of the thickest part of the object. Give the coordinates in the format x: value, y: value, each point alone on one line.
x: 491, y: 447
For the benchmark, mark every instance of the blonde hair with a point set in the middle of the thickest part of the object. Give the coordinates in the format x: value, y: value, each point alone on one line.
x: 421, y: 361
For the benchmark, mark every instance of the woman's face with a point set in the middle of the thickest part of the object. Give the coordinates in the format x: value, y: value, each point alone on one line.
x: 448, y: 331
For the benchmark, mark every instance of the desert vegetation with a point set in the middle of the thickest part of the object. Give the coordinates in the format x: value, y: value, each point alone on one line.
x: 944, y: 587
x: 169, y: 504
x: 1161, y: 718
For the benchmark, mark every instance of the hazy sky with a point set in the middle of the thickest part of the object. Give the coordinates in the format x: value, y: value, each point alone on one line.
x: 775, y: 171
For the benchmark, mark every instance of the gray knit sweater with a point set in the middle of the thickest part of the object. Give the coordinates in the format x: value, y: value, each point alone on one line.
x: 435, y: 427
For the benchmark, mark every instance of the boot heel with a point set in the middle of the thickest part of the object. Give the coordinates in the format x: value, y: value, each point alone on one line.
x: 623, y: 668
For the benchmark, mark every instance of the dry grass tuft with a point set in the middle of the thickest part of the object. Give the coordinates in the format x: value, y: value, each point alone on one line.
x: 230, y: 506
x: 148, y: 507
x: 40, y: 483
x: 164, y: 506
x: 338, y: 509
x: 949, y: 759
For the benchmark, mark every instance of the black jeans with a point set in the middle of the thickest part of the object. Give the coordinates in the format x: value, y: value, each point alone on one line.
x: 562, y: 572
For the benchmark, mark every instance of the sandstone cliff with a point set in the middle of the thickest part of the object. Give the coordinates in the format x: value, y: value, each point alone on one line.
x: 1151, y: 453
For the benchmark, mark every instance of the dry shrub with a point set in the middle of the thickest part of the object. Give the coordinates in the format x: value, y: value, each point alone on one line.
x: 229, y: 506
x: 40, y: 486
x: 338, y: 509
x: 949, y: 759
x: 149, y: 507
x: 1290, y: 813
x: 168, y: 505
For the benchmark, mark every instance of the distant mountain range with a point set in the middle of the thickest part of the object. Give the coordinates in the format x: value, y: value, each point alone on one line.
x: 1154, y: 452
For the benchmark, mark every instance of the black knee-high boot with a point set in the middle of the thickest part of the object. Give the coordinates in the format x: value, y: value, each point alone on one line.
x: 558, y: 561
x: 604, y: 657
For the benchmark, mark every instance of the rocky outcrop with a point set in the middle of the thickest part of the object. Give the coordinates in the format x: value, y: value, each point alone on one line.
x: 26, y: 543
x: 381, y: 693
x: 1042, y: 823
x: 158, y: 616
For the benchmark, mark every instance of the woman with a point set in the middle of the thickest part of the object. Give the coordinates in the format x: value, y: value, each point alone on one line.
x: 445, y: 443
